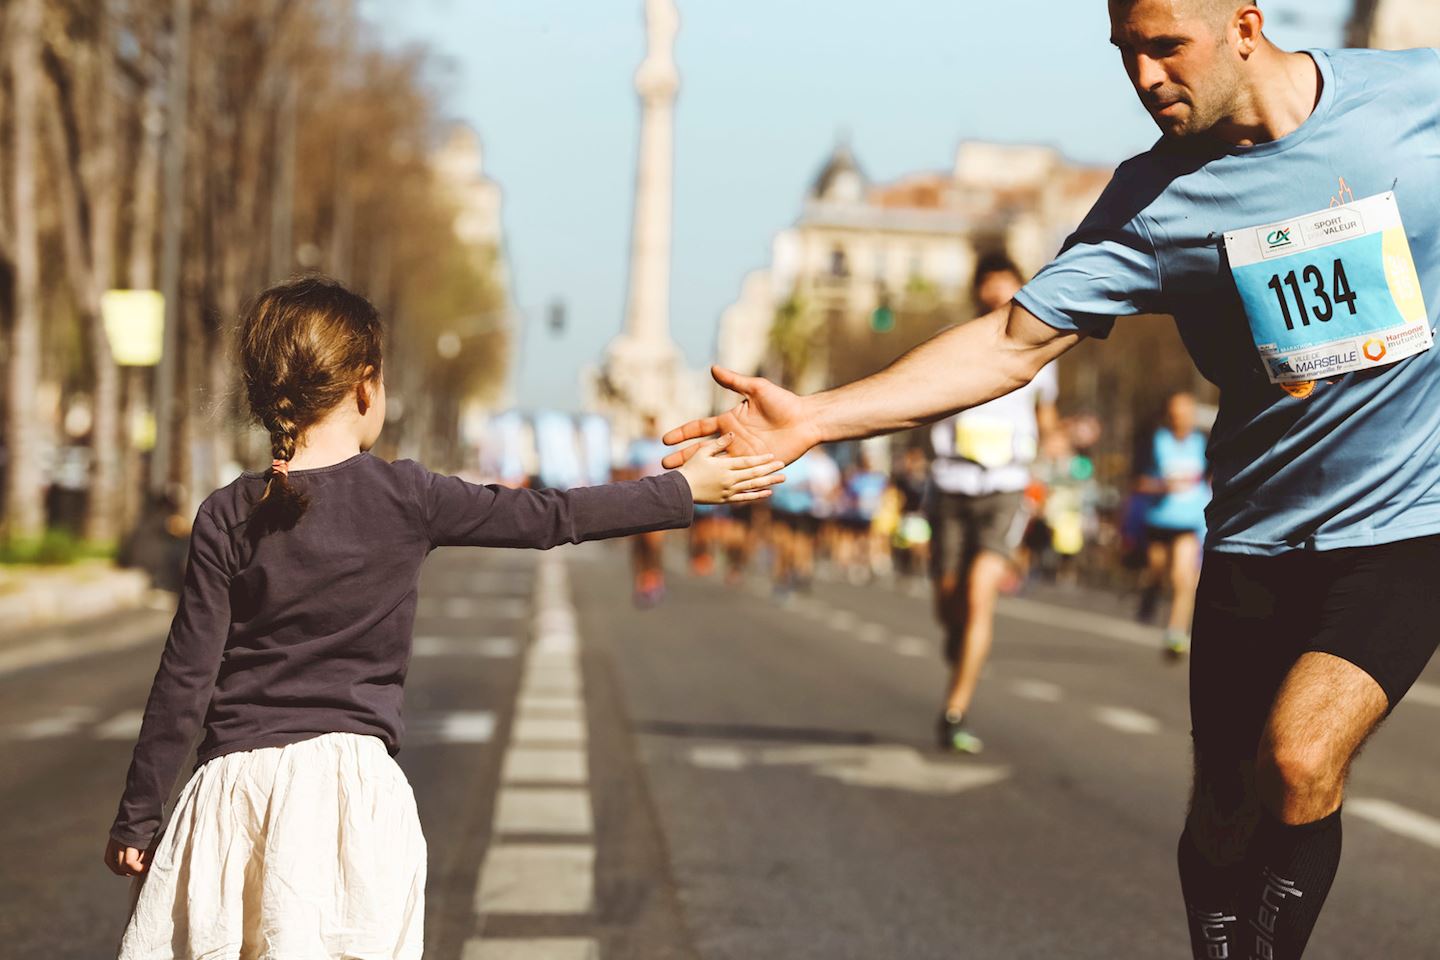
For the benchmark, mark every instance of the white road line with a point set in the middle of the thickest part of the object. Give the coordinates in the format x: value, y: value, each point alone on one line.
x: 528, y: 730
x: 558, y: 641
x: 573, y: 710
x: 1126, y: 720
x: 1068, y: 620
x: 1397, y: 819
x: 57, y: 648
x: 460, y: 726
x: 555, y: 811
x: 1040, y: 691
x: 548, y: 705
x: 122, y: 726
x: 537, y: 878
x: 67, y: 721
x: 914, y: 647
x: 548, y: 948
x: 558, y: 765
x: 1425, y: 693
x: 494, y: 647
x: 872, y: 633
x: 465, y: 608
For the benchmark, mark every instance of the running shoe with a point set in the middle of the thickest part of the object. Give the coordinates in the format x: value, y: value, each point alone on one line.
x: 1177, y: 644
x: 955, y: 735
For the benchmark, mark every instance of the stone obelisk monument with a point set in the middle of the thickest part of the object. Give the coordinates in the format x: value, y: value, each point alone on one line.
x: 643, y: 374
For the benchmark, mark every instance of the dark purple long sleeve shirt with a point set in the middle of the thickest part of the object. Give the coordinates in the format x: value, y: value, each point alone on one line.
x: 297, y: 633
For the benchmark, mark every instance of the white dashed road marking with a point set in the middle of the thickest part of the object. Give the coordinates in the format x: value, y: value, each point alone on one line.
x: 545, y: 793
x: 1397, y: 819
x: 555, y: 811
x: 1126, y: 720
x: 1040, y: 691
x: 537, y: 878
x: 556, y: 765
x: 548, y: 949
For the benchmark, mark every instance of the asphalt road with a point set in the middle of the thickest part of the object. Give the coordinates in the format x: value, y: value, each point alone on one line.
x: 730, y: 776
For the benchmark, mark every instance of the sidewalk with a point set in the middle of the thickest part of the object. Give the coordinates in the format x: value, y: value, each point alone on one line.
x: 57, y: 613
x: 32, y: 596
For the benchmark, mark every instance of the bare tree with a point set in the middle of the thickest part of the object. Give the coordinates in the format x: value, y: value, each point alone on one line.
x: 83, y: 139
x: 24, y: 495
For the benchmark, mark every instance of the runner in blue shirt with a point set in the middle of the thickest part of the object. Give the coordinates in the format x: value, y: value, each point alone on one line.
x: 1177, y: 480
x: 1288, y: 220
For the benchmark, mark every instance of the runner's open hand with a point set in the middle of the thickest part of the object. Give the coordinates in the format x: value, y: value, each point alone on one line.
x: 770, y: 419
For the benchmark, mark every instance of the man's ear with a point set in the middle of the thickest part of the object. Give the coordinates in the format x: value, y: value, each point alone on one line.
x: 1250, y: 26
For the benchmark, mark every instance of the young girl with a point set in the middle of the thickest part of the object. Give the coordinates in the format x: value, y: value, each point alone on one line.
x: 297, y: 835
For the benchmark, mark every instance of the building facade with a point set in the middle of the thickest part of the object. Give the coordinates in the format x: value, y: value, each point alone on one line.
x: 1394, y: 24
x: 864, y: 255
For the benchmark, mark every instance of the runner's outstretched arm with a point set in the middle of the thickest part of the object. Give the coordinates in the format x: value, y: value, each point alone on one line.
x: 956, y: 369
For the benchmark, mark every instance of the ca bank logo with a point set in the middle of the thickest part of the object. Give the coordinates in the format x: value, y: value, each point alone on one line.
x: 1374, y: 350
x: 1279, y: 238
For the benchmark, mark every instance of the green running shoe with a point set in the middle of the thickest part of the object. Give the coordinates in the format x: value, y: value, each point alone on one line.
x: 954, y: 734
x: 1177, y: 644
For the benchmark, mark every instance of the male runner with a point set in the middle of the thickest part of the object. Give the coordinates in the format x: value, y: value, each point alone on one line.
x: 1288, y: 220
x: 978, y: 513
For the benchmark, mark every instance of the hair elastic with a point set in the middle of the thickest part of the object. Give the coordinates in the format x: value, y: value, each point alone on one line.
x: 281, y: 467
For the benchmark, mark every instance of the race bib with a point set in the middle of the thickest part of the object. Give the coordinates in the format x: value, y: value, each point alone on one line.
x: 990, y: 443
x: 1331, y: 292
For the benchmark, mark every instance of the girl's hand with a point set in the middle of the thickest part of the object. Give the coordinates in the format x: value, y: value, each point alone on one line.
x: 125, y: 861
x: 716, y: 478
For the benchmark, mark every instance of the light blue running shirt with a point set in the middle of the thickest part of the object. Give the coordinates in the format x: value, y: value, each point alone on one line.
x: 1357, y: 462
x: 1174, y: 459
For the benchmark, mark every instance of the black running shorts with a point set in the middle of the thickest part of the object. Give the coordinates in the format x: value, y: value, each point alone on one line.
x: 1377, y: 607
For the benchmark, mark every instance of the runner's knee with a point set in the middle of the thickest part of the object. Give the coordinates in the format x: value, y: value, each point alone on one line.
x: 1299, y: 781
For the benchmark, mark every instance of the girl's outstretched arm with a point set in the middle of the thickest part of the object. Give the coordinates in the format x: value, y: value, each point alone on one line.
x: 458, y: 513
x: 181, y: 691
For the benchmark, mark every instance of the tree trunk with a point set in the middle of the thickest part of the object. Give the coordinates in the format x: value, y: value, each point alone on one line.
x: 24, y: 486
x: 140, y: 275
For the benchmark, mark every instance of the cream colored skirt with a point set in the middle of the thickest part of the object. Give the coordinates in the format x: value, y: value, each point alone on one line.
x: 310, y: 851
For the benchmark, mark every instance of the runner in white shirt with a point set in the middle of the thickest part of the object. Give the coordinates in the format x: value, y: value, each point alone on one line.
x: 977, y: 510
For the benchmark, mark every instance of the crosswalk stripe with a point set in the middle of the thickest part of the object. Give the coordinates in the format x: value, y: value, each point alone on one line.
x: 537, y: 878
x: 547, y: 948
x: 553, y: 811
x: 555, y: 765
x: 494, y: 647
x: 534, y: 730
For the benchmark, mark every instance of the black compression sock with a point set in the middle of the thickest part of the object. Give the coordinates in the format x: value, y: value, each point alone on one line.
x: 1210, y: 899
x: 1295, y: 866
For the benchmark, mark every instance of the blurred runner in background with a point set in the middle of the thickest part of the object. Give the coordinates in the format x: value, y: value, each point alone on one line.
x: 981, y: 469
x: 1177, y: 480
x: 647, y: 549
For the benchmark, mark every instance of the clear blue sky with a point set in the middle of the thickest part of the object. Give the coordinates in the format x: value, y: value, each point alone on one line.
x: 766, y: 87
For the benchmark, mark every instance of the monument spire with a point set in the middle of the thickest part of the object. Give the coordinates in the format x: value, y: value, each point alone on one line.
x: 643, y: 375
x: 647, y: 313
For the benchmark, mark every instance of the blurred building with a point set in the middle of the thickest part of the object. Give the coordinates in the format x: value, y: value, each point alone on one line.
x: 865, y: 255
x: 1394, y: 24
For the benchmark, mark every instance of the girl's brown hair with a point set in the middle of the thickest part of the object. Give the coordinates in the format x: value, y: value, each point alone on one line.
x: 305, y: 346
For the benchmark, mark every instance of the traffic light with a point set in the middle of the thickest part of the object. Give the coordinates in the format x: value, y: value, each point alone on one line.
x: 882, y: 319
